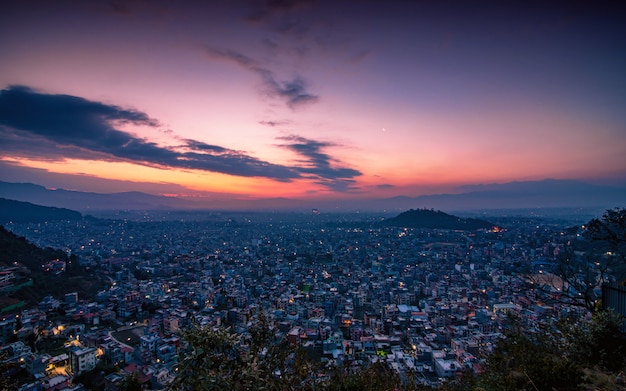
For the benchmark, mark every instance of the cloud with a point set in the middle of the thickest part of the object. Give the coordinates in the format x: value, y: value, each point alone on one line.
x: 339, y: 185
x: 276, y: 49
x: 56, y: 127
x: 319, y: 165
x: 9, y: 171
x: 195, y: 145
x: 272, y: 6
x: 34, y: 124
x: 279, y: 14
x: 306, y: 27
x: 274, y: 124
x: 293, y: 92
x: 384, y: 186
x: 32, y: 146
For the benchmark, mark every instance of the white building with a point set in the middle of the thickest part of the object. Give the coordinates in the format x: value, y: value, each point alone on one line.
x: 446, y: 368
x: 82, y: 359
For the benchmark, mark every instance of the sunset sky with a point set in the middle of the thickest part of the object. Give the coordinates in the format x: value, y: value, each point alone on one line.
x: 308, y: 99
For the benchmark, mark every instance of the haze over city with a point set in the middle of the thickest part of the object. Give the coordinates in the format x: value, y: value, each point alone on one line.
x: 310, y: 100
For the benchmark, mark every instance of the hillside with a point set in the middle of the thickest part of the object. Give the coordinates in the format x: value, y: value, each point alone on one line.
x: 25, y: 212
x: 431, y: 219
x: 40, y: 272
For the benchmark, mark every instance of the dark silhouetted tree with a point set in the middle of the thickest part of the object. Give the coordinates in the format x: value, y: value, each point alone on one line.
x: 610, y: 228
x: 576, y: 276
x: 598, y: 343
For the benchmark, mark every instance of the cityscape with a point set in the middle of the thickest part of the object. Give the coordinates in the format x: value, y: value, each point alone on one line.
x: 347, y: 290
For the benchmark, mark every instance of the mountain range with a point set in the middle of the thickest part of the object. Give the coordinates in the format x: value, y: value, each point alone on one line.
x: 87, y: 201
x: 544, y: 194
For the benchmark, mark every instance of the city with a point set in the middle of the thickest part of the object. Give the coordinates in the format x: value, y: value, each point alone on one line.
x: 347, y: 290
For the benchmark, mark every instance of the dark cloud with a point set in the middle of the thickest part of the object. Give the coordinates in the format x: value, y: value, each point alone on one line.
x: 31, y: 146
x: 63, y: 126
x: 134, y: 8
x: 293, y: 92
x: 384, y: 186
x: 339, y: 185
x: 64, y: 115
x: 200, y: 146
x: 302, y: 29
x: 319, y: 165
x: 285, y: 5
x: 275, y: 11
x: 56, y: 127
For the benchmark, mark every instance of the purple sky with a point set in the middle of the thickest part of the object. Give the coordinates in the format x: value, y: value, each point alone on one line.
x: 310, y: 99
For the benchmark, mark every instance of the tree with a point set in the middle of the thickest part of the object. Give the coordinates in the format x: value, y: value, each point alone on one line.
x: 565, y: 355
x: 7, y: 369
x: 571, y: 278
x: 527, y: 361
x: 131, y: 383
x: 580, y: 275
x: 580, y: 268
x: 598, y: 343
x: 611, y: 228
x: 219, y: 359
x: 376, y: 376
x: 609, y: 232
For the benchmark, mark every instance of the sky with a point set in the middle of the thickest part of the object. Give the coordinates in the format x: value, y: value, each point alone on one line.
x: 310, y: 99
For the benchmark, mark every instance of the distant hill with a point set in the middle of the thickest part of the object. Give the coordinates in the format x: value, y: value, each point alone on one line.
x: 545, y: 194
x: 431, y: 219
x: 88, y: 202
x: 25, y: 212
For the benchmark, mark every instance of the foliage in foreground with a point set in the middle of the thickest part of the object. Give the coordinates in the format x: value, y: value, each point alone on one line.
x: 221, y: 360
x: 568, y: 356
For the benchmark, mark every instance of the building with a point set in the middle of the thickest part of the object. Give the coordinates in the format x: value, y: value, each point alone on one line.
x: 71, y: 299
x: 446, y: 368
x: 149, y: 342
x: 82, y: 359
x: 58, y: 382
